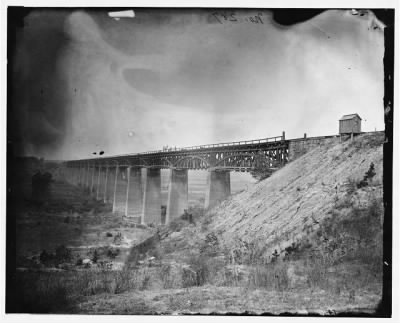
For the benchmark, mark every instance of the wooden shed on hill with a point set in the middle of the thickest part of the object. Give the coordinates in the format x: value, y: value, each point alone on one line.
x: 350, y: 123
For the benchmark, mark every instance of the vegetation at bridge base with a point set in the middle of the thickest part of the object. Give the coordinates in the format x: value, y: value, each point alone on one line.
x: 336, y: 261
x: 261, y: 172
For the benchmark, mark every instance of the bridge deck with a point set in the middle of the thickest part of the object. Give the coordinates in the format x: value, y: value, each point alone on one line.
x: 238, y: 155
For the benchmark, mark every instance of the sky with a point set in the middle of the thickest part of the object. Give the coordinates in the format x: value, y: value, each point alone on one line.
x: 85, y: 82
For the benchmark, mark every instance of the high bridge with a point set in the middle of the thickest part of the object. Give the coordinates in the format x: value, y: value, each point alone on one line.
x: 120, y: 180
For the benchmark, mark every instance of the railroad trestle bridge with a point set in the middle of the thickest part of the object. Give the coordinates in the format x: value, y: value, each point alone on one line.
x: 118, y: 179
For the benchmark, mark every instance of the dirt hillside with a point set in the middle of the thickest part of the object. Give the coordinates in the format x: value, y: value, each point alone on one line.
x: 281, y: 209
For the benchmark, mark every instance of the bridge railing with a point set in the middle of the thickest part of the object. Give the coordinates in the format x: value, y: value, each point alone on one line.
x: 222, y: 144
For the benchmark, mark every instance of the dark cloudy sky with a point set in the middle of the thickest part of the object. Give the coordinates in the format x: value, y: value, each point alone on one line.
x: 85, y: 82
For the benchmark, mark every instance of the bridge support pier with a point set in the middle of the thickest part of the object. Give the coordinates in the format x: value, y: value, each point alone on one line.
x: 151, y: 209
x: 76, y: 175
x: 105, y: 186
x: 93, y: 173
x: 177, y: 194
x: 121, y: 186
x: 134, y: 192
x: 80, y: 176
x: 218, y: 187
x: 98, y: 184
x: 87, y: 175
x: 114, y: 208
x: 72, y: 176
x: 110, y: 185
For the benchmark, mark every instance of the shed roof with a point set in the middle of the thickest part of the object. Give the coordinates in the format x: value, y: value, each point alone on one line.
x: 350, y: 116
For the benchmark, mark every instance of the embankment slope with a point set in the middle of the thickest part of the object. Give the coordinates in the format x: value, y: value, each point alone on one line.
x: 283, y: 208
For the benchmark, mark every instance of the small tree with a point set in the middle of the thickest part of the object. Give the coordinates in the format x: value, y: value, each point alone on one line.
x: 370, y: 173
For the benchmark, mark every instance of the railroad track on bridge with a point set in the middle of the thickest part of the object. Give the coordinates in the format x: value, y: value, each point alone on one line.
x: 234, y: 156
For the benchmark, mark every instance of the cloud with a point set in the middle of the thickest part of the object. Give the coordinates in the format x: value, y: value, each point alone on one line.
x: 179, y: 78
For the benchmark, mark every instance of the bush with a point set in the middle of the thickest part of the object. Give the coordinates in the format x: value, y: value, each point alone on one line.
x: 118, y: 238
x: 261, y: 172
x: 46, y: 257
x: 210, y: 245
x: 112, y: 253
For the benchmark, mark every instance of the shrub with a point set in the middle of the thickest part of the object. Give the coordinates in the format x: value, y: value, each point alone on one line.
x: 112, y: 253
x: 292, y: 250
x: 261, y: 172
x: 45, y: 257
x: 210, y: 245
x: 369, y: 174
x: 118, y: 238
